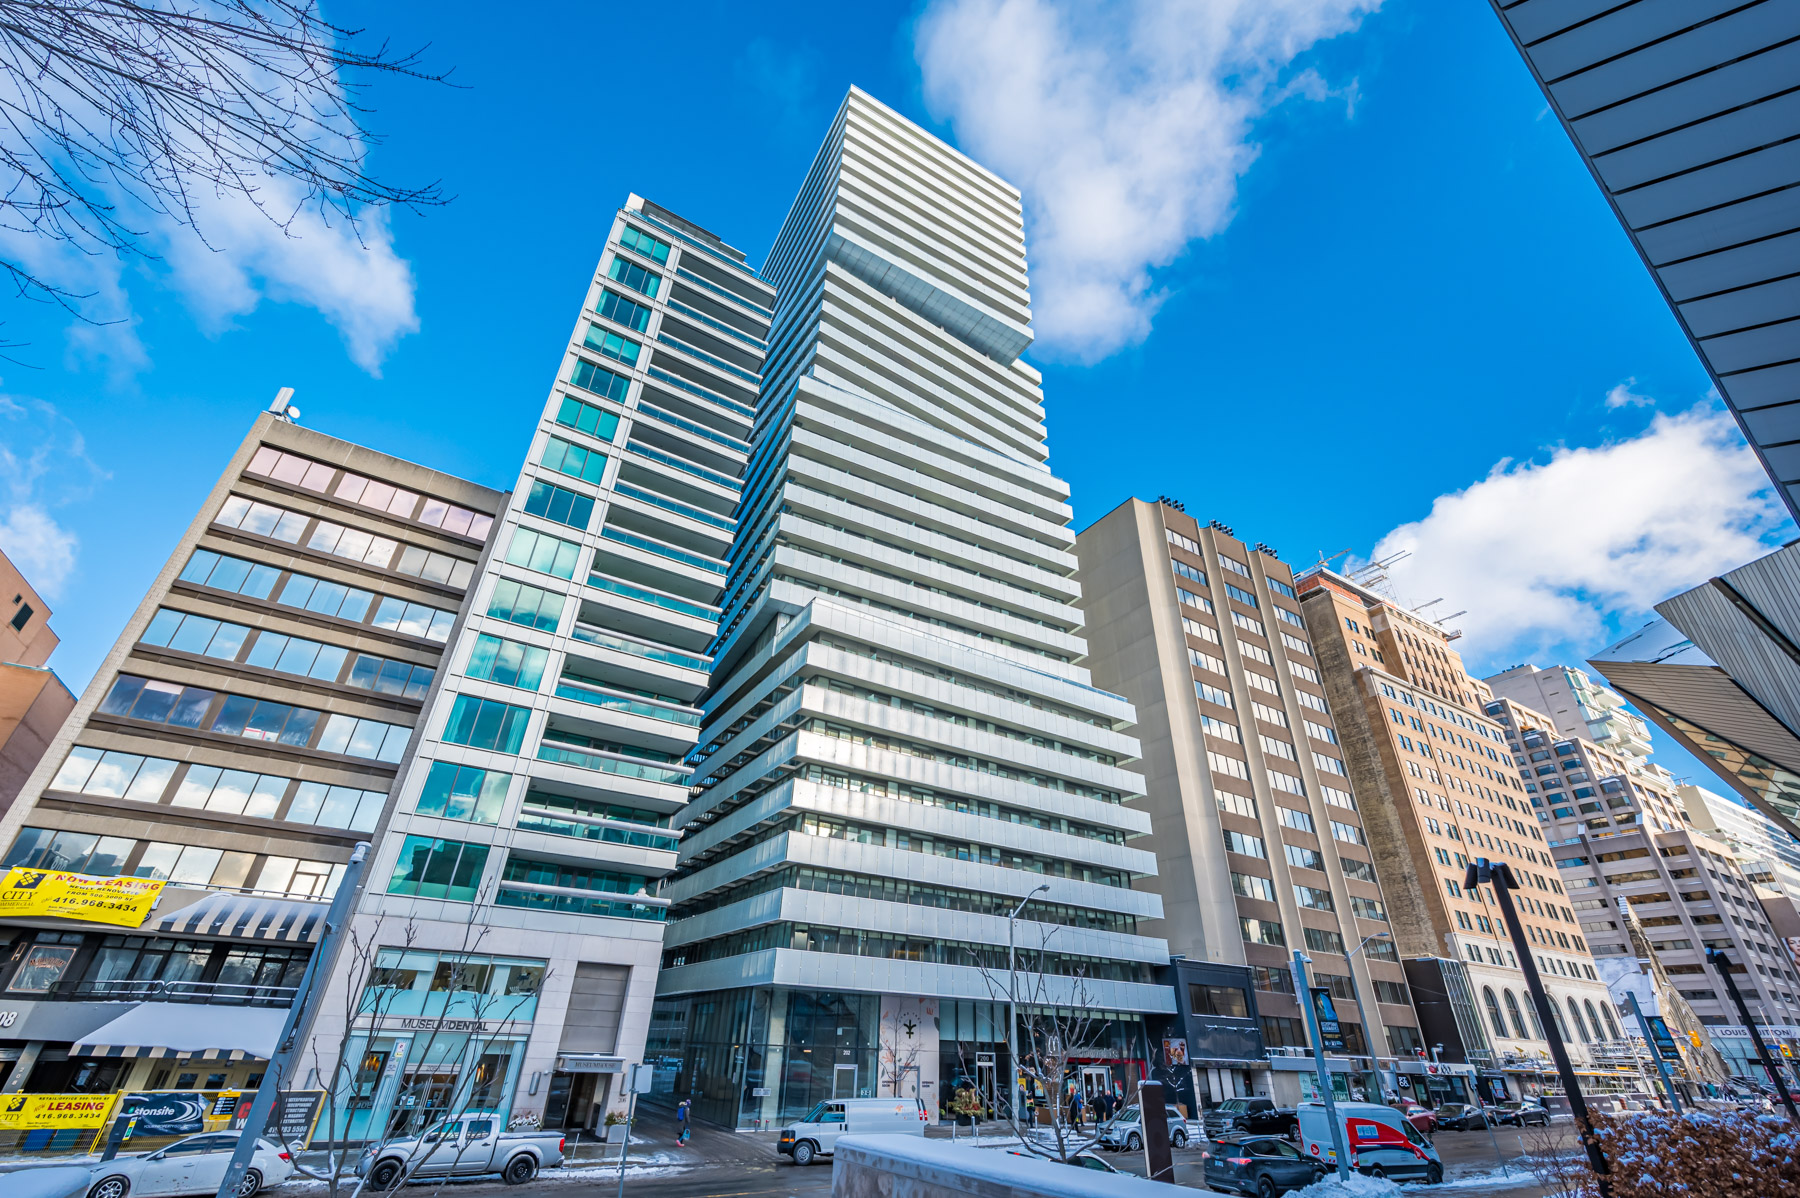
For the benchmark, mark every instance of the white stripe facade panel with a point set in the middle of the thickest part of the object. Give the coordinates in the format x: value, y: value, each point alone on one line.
x: 900, y: 738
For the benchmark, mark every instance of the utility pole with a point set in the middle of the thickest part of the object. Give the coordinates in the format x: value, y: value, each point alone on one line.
x: 299, y: 1016
x: 1719, y: 961
x: 1499, y: 876
x: 1304, y: 993
x: 1662, y: 1066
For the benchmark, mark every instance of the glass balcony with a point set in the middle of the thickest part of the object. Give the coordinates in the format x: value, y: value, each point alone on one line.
x: 699, y: 430
x: 669, y: 459
x: 662, y: 549
x: 608, y: 763
x: 607, y: 640
x: 676, y: 506
x: 688, y: 276
x: 712, y: 360
x: 564, y: 823
x: 601, y: 582
x: 675, y: 380
x: 515, y: 895
x: 569, y: 688
x: 755, y: 343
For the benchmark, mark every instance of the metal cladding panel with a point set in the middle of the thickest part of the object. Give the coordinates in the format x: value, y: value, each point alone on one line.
x: 1680, y: 109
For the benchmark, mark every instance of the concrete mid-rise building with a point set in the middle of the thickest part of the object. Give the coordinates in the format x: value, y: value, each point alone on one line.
x: 241, y: 736
x: 1260, y: 843
x: 1769, y: 856
x: 900, y: 741
x: 1438, y: 789
x: 1621, y: 842
x: 1578, y: 705
x: 33, y: 700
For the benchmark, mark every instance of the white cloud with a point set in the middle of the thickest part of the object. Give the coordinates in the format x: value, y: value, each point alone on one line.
x: 1559, y: 554
x: 1127, y: 128
x: 43, y: 464
x: 359, y: 284
x: 1622, y: 396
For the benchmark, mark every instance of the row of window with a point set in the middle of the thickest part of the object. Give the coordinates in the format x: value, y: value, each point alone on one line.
x: 285, y: 654
x: 204, y: 710
x: 354, y: 544
x: 107, y: 773
x: 297, y: 471
x: 183, y: 865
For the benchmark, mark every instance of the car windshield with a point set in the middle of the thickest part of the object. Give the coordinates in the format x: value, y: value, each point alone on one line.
x: 1411, y: 1132
x: 1234, y: 1104
x: 1129, y: 1115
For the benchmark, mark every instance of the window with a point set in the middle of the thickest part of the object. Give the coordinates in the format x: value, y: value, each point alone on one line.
x: 1391, y: 992
x: 414, y: 619
x: 1249, y: 846
x: 639, y: 279
x: 1187, y: 543
x: 1269, y: 715
x: 76, y: 852
x: 193, y: 865
x: 365, y: 738
x: 1229, y: 766
x: 573, y: 460
x: 1289, y: 783
x: 507, y: 662
x: 236, y: 792
x: 1493, y: 1010
x: 585, y: 417
x: 1282, y: 613
x: 170, y: 629
x: 1237, y: 804
x: 527, y: 605
x: 619, y: 310
x: 1247, y: 624
x: 542, y: 552
x: 1314, y: 897
x: 303, y: 879
x: 1183, y: 570
x: 326, y: 598
x: 1330, y: 765
x: 1362, y: 871
x: 1276, y: 747
x: 1241, y: 595
x: 1308, y: 699
x: 335, y: 806
x: 633, y: 238
x: 453, y: 519
x: 1368, y: 908
x: 1512, y: 1011
x: 21, y: 617
x: 437, y: 868
x: 1349, y: 832
x: 265, y: 520
x: 1236, y: 567
x: 1228, y: 1002
x: 264, y: 720
x: 611, y: 345
x: 463, y: 792
x: 388, y: 676
x: 1223, y: 729
x: 114, y: 775
x: 1300, y: 821
x: 297, y: 655
x: 1253, y: 886
x: 1262, y: 931
x: 234, y: 574
x: 1305, y: 858
x: 1321, y: 732
x: 1213, y: 694
x: 159, y: 702
x: 559, y: 504
x: 1206, y: 661
x: 1338, y: 798
x: 1205, y: 632
x: 1284, y: 1031
x: 1306, y: 672
x: 1321, y: 941
x: 590, y: 376
x: 486, y: 724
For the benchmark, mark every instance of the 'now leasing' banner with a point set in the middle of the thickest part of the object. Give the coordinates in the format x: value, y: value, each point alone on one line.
x: 36, y: 1112
x: 125, y: 902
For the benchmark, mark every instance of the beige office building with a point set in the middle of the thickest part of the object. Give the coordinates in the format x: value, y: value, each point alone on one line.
x: 33, y: 700
x: 1438, y: 790
x: 1259, y: 840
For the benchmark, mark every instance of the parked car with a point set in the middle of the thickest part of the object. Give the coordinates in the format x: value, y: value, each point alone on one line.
x: 1125, y: 1129
x: 1253, y: 1116
x: 1081, y: 1160
x: 1421, y: 1117
x: 1259, y: 1165
x: 193, y: 1165
x: 1521, y: 1114
x: 468, y: 1147
x: 1461, y: 1116
x: 817, y: 1134
x: 1381, y: 1142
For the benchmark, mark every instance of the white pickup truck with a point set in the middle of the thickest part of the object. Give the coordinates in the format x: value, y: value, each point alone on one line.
x: 466, y: 1147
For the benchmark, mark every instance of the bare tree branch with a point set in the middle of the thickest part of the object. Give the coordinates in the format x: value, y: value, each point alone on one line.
x: 113, y: 111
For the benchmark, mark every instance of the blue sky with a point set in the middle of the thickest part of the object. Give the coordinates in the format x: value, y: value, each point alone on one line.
x: 1356, y: 290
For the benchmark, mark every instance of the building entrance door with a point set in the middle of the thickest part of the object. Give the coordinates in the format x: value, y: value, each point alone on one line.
x: 986, y: 1081
x: 1095, y: 1079
x: 843, y: 1081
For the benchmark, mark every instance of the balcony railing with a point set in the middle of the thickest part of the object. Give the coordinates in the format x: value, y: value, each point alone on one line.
x: 662, y: 549
x: 645, y: 595
x: 713, y: 360
x: 675, y: 380
x: 568, y: 688
x: 688, y: 276
x: 719, y: 325
x: 611, y: 763
x: 578, y: 902
x: 609, y: 640
x: 213, y: 993
x: 699, y: 430
x: 557, y: 822
x: 669, y: 459
x: 672, y: 505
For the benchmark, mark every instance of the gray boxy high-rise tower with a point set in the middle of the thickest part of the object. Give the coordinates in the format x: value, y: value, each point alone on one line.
x: 900, y: 743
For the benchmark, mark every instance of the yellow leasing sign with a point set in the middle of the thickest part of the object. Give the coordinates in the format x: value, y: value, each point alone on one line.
x: 36, y: 1112
x: 40, y: 892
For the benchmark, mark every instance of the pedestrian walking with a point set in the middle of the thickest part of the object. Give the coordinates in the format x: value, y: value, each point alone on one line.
x: 681, y: 1121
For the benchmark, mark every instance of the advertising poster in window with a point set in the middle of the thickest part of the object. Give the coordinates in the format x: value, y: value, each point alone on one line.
x: 1331, y: 1032
x: 182, y: 1113
x: 35, y: 893
x: 41, y: 1112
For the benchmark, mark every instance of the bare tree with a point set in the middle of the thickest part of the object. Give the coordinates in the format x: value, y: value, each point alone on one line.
x: 368, y: 1001
x: 900, y: 1046
x: 115, y: 111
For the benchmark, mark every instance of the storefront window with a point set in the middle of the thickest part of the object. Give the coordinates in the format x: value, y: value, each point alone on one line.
x: 44, y: 964
x: 457, y: 985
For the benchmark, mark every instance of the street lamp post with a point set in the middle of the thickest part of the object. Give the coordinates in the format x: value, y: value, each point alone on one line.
x: 1499, y: 876
x: 1012, y: 1008
x: 1719, y: 961
x: 1356, y: 997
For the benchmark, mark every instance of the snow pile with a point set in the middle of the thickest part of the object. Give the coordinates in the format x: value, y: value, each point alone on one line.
x: 1358, y: 1186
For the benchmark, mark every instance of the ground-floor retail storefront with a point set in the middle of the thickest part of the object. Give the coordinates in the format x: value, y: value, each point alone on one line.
x: 756, y: 1058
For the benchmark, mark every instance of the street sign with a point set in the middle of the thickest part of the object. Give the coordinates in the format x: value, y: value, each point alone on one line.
x: 1659, y: 1034
x: 1331, y: 1032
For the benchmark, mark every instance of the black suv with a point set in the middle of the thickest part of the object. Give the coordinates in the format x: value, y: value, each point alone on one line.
x: 1255, y: 1116
x: 1259, y: 1165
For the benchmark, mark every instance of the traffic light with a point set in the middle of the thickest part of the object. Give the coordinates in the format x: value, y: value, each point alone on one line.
x: 1694, y: 1039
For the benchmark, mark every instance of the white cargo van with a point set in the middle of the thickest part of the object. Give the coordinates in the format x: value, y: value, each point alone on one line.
x: 1380, y: 1140
x: 817, y: 1134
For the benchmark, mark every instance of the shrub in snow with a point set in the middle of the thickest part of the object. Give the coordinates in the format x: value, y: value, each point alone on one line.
x: 1694, y: 1155
x: 1358, y: 1186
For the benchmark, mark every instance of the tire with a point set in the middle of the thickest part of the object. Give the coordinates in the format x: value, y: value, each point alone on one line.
x: 110, y: 1187
x: 1179, y: 1139
x: 1133, y: 1142
x: 1265, y: 1187
x: 384, y: 1176
x: 804, y: 1152
x: 519, y: 1170
x: 1320, y: 1173
x: 1434, y: 1174
x: 1377, y: 1171
x: 252, y: 1182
